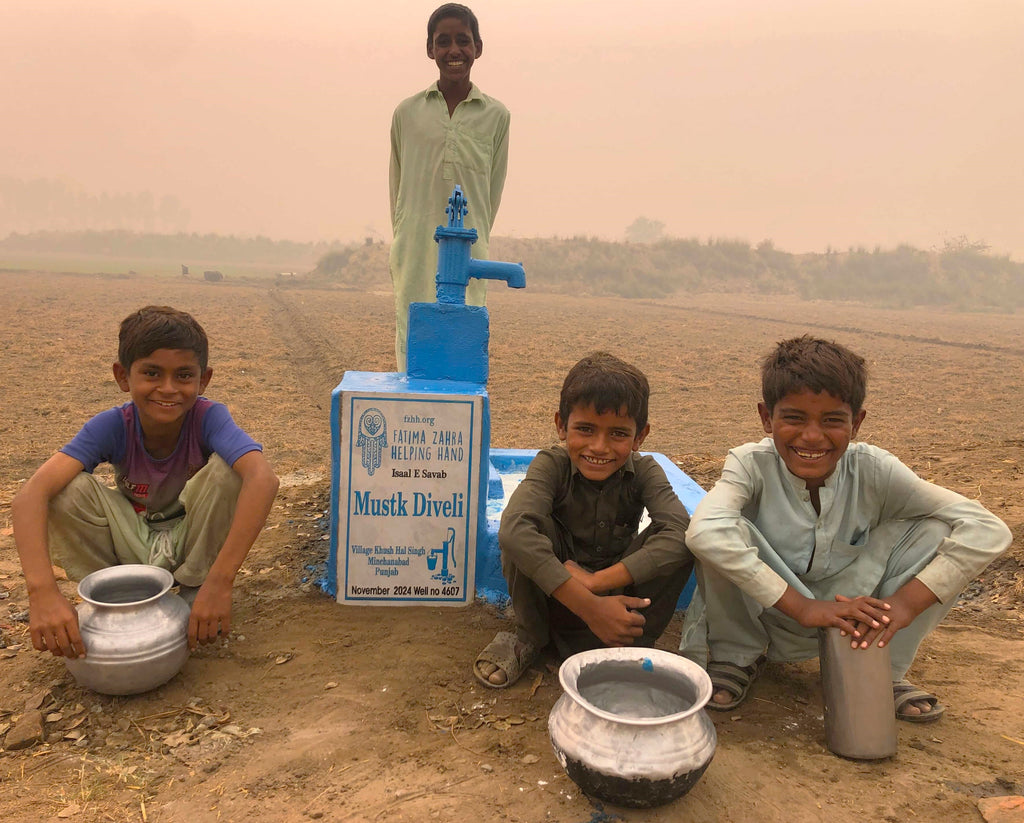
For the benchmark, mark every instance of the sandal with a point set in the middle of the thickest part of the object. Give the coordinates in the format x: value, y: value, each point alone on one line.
x: 502, y: 652
x: 734, y: 679
x: 904, y: 692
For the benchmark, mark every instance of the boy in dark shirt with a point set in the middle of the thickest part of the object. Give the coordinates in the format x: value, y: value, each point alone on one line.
x: 578, y: 573
x: 193, y: 489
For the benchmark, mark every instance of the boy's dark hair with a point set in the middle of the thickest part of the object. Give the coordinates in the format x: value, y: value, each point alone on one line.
x: 459, y: 12
x: 812, y: 363
x: 608, y: 384
x: 160, y: 327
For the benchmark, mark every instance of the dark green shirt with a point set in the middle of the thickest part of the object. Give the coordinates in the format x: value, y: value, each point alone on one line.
x: 598, y: 520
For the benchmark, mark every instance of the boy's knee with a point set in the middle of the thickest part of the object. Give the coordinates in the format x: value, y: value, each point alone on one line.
x: 75, y: 495
x: 920, y: 539
x: 933, y: 531
x: 221, y: 471
x: 216, y: 476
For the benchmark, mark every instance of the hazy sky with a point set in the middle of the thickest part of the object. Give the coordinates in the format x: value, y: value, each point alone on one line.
x: 810, y: 122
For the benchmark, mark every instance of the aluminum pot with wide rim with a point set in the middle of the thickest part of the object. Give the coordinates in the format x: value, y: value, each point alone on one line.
x: 134, y: 628
x: 630, y: 727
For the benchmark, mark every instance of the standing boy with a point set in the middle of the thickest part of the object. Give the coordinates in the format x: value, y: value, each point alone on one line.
x: 806, y: 529
x: 578, y: 573
x: 451, y: 134
x: 193, y: 489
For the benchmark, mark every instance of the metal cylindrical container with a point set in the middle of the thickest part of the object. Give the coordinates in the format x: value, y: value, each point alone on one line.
x: 860, y: 714
x: 630, y: 727
x: 135, y: 630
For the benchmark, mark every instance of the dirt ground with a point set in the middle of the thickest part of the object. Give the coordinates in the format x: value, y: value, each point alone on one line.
x: 312, y: 710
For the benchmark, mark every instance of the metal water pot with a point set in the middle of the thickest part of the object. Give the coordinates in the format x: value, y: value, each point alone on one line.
x: 630, y: 727
x: 860, y: 715
x: 135, y: 630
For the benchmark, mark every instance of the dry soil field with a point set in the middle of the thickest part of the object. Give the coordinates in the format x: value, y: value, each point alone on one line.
x: 311, y: 710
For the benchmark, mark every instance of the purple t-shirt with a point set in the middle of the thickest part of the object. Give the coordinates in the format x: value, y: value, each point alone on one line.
x: 153, y: 486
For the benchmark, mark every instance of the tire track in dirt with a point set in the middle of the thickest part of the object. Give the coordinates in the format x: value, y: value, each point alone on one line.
x: 905, y: 338
x: 317, y: 360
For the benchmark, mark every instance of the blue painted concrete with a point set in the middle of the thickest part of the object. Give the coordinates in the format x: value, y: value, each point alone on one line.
x: 448, y: 342
x: 357, y: 383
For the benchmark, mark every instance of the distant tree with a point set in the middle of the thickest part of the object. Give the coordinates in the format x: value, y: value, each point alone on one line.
x: 962, y: 243
x: 645, y: 230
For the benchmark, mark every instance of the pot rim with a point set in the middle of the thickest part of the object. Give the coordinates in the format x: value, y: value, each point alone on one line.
x: 128, y: 570
x: 570, y: 669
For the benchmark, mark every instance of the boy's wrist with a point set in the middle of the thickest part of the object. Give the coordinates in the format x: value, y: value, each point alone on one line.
x: 588, y: 611
x: 40, y: 581
x: 913, y: 597
x: 796, y: 605
x: 219, y: 580
x: 42, y: 590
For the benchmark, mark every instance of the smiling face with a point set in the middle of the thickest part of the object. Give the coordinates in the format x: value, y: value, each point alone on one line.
x: 811, y: 430
x: 164, y: 386
x: 454, y: 50
x: 599, y: 444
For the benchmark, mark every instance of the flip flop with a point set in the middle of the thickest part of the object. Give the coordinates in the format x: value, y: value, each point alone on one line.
x: 502, y: 653
x: 904, y: 692
x: 734, y: 679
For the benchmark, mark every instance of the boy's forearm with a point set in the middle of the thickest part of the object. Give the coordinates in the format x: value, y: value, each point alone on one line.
x: 576, y: 597
x: 792, y: 604
x: 30, y: 511
x: 801, y: 608
x: 616, y: 576
x: 255, y: 500
x: 28, y: 514
x: 914, y: 596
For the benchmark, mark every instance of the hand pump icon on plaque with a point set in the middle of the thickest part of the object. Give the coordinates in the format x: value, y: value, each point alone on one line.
x: 448, y: 548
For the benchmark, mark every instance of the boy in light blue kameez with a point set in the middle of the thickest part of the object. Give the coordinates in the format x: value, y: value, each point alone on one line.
x: 806, y: 529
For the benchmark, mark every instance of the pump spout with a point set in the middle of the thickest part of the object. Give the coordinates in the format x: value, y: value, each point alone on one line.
x: 511, y: 273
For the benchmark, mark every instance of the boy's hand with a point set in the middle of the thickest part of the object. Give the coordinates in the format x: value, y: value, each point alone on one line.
x: 864, y: 631
x: 905, y: 605
x: 612, y: 620
x: 851, y: 615
x: 53, y: 625
x: 211, y: 613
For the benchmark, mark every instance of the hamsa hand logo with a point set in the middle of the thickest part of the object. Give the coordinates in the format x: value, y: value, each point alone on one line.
x: 372, y: 438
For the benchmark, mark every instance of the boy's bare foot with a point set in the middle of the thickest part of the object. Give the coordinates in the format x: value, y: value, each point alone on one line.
x: 731, y: 683
x: 492, y: 673
x: 503, y: 660
x: 722, y: 696
x: 915, y: 705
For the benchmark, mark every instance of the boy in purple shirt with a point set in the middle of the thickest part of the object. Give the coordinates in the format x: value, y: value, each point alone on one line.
x: 193, y: 489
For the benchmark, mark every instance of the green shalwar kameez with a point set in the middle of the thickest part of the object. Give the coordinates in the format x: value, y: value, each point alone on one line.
x: 431, y: 153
